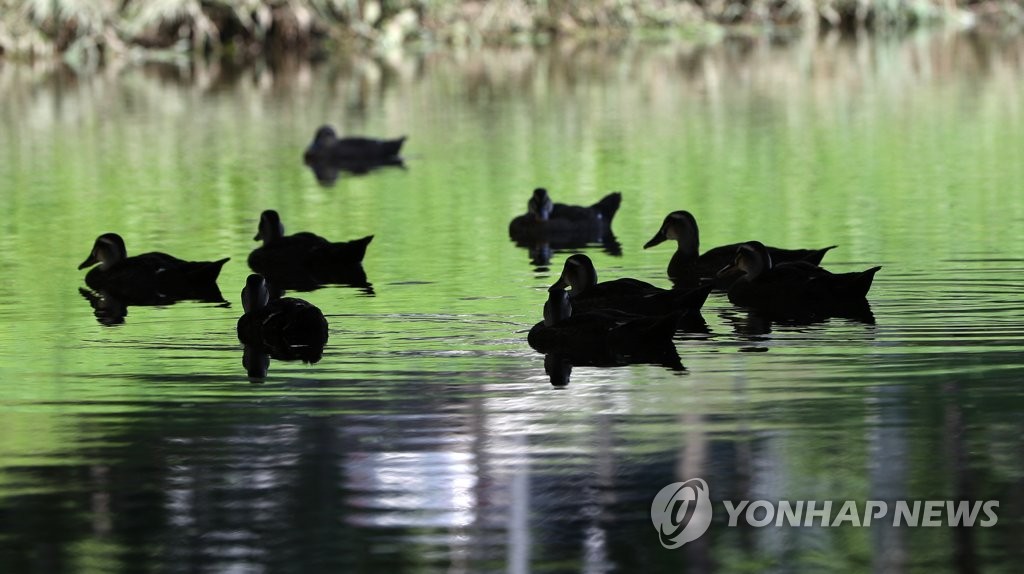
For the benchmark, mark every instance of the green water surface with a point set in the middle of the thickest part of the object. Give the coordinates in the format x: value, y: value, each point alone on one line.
x: 428, y: 437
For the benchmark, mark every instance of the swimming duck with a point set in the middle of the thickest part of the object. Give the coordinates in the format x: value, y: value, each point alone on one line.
x: 305, y: 255
x: 687, y: 269
x: 629, y: 295
x: 285, y: 328
x: 603, y: 333
x: 795, y: 288
x: 361, y: 151
x: 149, y: 278
x: 558, y: 222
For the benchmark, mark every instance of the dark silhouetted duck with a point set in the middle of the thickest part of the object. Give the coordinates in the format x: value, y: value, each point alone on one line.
x: 600, y: 333
x: 564, y: 225
x: 150, y: 278
x: 327, y: 147
x: 304, y: 260
x: 629, y: 295
x: 688, y: 269
x: 796, y: 289
x: 285, y: 328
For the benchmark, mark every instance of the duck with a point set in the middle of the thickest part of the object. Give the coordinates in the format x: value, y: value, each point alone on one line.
x: 625, y: 294
x: 561, y: 223
x: 149, y: 278
x: 286, y: 328
x: 600, y: 333
x: 688, y: 269
x: 795, y: 289
x: 306, y: 258
x: 356, y: 152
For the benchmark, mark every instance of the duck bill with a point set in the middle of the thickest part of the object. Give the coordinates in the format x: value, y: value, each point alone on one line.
x: 259, y: 235
x: 89, y: 262
x: 658, y: 238
x: 559, y: 285
x: 730, y: 270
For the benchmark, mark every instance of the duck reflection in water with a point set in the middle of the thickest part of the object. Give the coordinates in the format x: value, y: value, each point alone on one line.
x: 305, y: 261
x: 602, y: 338
x: 547, y: 227
x: 754, y: 325
x: 286, y: 328
x: 558, y: 366
x: 330, y: 155
x: 117, y: 281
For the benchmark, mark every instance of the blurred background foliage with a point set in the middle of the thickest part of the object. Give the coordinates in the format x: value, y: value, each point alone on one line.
x: 86, y: 31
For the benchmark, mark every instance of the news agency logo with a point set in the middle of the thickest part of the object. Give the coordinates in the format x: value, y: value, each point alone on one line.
x: 681, y: 512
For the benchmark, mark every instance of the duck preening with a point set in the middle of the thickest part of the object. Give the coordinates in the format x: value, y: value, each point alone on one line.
x: 149, y: 278
x: 285, y: 328
x: 328, y: 147
x: 796, y: 289
x: 305, y: 260
x: 564, y: 225
x: 688, y: 267
x: 625, y: 294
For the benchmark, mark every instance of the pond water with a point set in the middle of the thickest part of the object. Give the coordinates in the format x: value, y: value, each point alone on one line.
x: 429, y: 437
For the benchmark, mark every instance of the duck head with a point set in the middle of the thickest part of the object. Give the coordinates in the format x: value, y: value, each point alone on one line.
x: 752, y: 259
x: 255, y: 294
x: 107, y: 250
x: 323, y: 141
x: 540, y: 204
x: 680, y: 226
x: 578, y: 274
x: 557, y: 308
x: 270, y: 228
x: 325, y: 136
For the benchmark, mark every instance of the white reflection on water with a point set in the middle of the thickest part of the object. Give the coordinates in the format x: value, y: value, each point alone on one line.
x: 411, y: 488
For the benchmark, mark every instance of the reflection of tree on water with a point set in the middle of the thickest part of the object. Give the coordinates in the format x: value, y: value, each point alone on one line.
x: 275, y: 482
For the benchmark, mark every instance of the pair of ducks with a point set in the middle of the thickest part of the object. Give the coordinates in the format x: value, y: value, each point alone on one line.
x: 280, y: 326
x: 787, y: 283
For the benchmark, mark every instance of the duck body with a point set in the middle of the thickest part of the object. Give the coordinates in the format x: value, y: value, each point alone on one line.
x: 600, y: 333
x: 564, y: 225
x: 308, y: 250
x: 149, y: 278
x: 688, y: 268
x: 285, y: 328
x: 625, y: 294
x: 362, y: 153
x: 796, y: 289
x: 305, y: 259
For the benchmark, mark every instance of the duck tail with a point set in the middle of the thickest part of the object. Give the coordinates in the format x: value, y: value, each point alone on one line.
x: 349, y: 252
x: 359, y: 246
x: 816, y: 255
x: 861, y: 283
x: 207, y: 271
x: 393, y: 147
x: 693, y: 299
x: 608, y: 205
